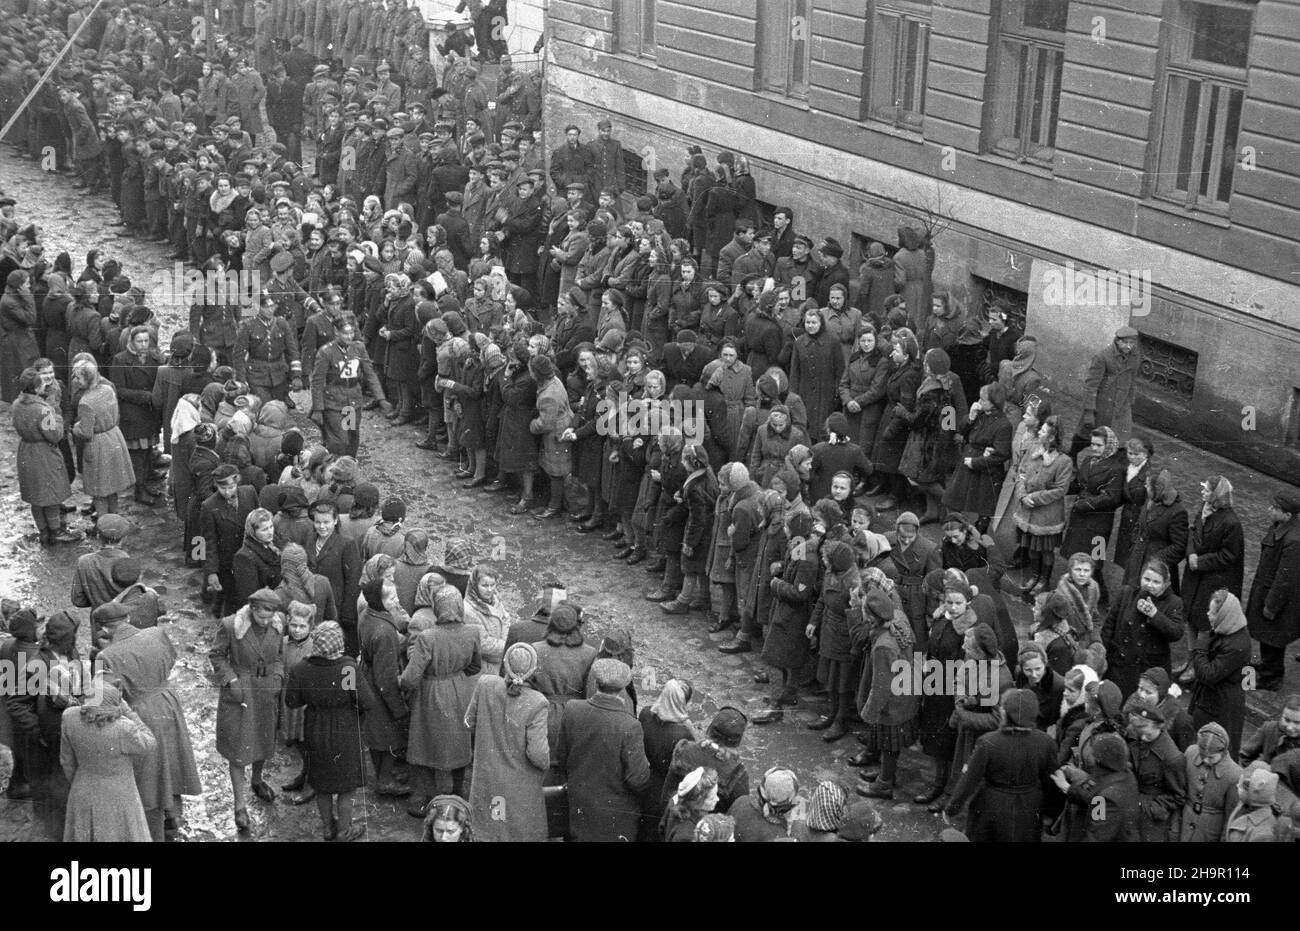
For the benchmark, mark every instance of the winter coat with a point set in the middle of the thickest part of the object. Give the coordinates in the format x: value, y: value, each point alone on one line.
x: 255, y: 566
x: 524, y: 227
x: 898, y: 386
x: 767, y: 455
x: 878, y: 702
x: 511, y: 758
x: 816, y: 365
x: 134, y: 378
x: 247, y: 708
x: 601, y: 757
x: 1161, y: 771
x: 42, y: 478
x: 1008, y: 782
x: 1100, y: 483
x: 1135, y: 642
x: 1276, y: 587
x: 975, y: 488
x: 1211, y: 796
x: 383, y: 723
x: 1117, y: 795
x: 439, y: 680
x: 931, y: 449
x: 1160, y: 533
x: 517, y: 446
x: 1045, y: 485
x: 106, y: 462
x: 554, y: 416
x: 18, y: 348
x: 794, y: 593
x: 1219, y: 545
x: 1133, y: 499
x: 104, y: 803
x: 1217, y: 660
x: 1109, y: 387
x: 144, y: 659
x: 913, y: 265
x: 861, y: 372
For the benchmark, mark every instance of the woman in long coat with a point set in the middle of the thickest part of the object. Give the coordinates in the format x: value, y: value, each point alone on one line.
x: 664, y: 724
x: 897, y: 390
x: 564, y: 661
x: 884, y: 634
x: 42, y: 478
x: 1218, y: 658
x: 1039, y: 498
x: 794, y: 591
x: 913, y: 265
x: 930, y: 453
x: 257, y: 562
x: 1160, y: 532
x: 977, y: 480
x: 18, y: 348
x: 507, y: 719
x: 328, y: 687
x: 1133, y: 496
x: 516, y: 445
x: 246, y: 660
x: 106, y: 468
x: 816, y: 364
x: 866, y: 366
x: 442, y: 666
x: 98, y: 748
x: 588, y: 443
x: 948, y: 627
x: 1215, y: 553
x: 1100, y: 478
x: 467, y: 387
x: 551, y: 427
x: 485, y: 611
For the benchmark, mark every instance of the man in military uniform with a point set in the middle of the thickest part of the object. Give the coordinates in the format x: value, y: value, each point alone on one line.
x: 313, y: 99
x: 291, y: 299
x: 606, y: 159
x: 1161, y: 772
x: 717, y: 750
x: 266, y: 353
x: 336, y: 381
x: 214, y: 311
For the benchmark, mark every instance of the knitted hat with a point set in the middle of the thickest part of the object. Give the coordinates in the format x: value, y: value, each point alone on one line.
x: 908, y: 517
x: 394, y: 510
x: 562, y: 627
x: 1110, y: 752
x: 1021, y: 707
x: 938, y: 362
x: 1159, y: 678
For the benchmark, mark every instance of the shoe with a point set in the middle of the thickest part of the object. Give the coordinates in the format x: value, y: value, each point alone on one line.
x: 497, y: 485
x: 660, y: 595
x: 67, y: 509
x: 768, y: 716
x: 264, y: 791
x: 1188, y: 676
x: 622, y: 553
x: 520, y: 508
x: 720, y: 625
x: 475, y: 482
x: 929, y: 795
x: 331, y: 830
x: 863, y: 758
x: 592, y: 525
x: 67, y: 536
x: 462, y: 473
x: 1029, y: 587
x: 821, y: 724
x: 875, y: 789
x: 638, y: 556
x: 449, y: 455
x: 418, y: 807
x: 162, y: 459
x: 762, y: 678
x: 241, y: 820
x: 580, y: 517
x: 834, y: 732
x: 392, y: 790
x: 674, y: 607
x: 404, y: 419
x: 545, y: 514
x: 426, y: 443
x: 658, y: 564
x: 732, y: 647
x: 611, y: 534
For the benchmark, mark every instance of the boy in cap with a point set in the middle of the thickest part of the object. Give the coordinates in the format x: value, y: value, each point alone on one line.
x: 1160, y: 768
x: 92, y: 580
x: 718, y: 750
x: 221, y: 521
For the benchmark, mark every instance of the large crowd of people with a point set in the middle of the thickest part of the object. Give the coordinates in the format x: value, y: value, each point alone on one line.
x: 706, y: 387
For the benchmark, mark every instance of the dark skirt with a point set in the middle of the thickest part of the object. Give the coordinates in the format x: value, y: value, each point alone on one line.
x: 1038, y: 543
x: 889, y: 738
x: 938, y: 740
x: 836, y: 675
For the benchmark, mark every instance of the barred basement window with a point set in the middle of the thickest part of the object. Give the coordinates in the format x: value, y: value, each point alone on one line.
x: 634, y: 174
x: 1015, y: 301
x: 1168, y: 368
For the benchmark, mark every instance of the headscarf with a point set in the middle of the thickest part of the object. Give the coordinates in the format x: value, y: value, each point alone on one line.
x: 414, y: 550
x: 1011, y: 369
x: 1112, y: 443
x: 328, y: 638
x: 1220, y: 494
x: 108, y: 708
x: 695, y: 785
x: 518, y: 665
x: 294, y: 574
x: 448, y: 606
x: 443, y: 805
x: 797, y: 456
x: 1228, y: 618
x: 429, y: 586
x: 1089, y: 676
x: 826, y: 807
x: 186, y: 416
x: 670, y: 706
x: 778, y: 792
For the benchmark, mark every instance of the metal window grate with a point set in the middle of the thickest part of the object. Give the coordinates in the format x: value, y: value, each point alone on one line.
x: 1167, y: 367
x: 634, y: 173
x: 1015, y: 301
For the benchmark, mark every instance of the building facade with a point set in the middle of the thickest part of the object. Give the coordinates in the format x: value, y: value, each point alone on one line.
x: 1093, y: 163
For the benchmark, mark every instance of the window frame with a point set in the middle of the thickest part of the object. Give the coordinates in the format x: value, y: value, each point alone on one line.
x: 632, y: 20
x: 902, y: 13
x: 777, y: 49
x: 1020, y: 49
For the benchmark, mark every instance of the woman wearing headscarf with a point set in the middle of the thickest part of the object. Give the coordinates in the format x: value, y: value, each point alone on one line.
x: 257, y: 561
x: 772, y: 442
x: 793, y: 595
x: 669, y: 518
x: 552, y: 429
x: 828, y: 628
x: 1024, y: 441
x: 507, y: 719
x: 411, y: 567
x: 930, y: 454
x: 769, y: 812
x: 1160, y: 531
x: 438, y: 681
x: 1215, y: 557
x: 1218, y: 657
x: 975, y: 710
x: 1212, y: 778
x: 299, y: 583
x: 1039, y: 498
x: 98, y: 748
x: 816, y: 364
x: 1099, y: 476
x: 380, y: 628
x: 18, y: 320
x: 133, y: 372
x: 106, y: 469
x: 977, y: 479
x: 517, y: 447
x: 1018, y: 377
x: 564, y: 662
x: 326, y: 684
x: 1074, y: 710
x: 880, y: 630
x: 897, y: 390
x: 42, y: 478
x: 664, y: 724
x: 484, y: 610
x: 246, y: 661
x: 698, y: 496
x: 866, y: 369
x: 466, y: 385
x: 695, y: 797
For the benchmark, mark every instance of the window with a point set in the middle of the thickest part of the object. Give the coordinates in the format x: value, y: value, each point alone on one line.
x: 785, y: 47
x: 1167, y: 367
x: 1205, y: 85
x: 1015, y: 302
x: 634, y: 174
x: 1027, y: 91
x: 635, y: 22
x: 899, y: 51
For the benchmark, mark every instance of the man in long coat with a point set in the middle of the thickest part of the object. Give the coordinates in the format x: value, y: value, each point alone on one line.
x: 1273, y: 610
x: 221, y: 522
x: 1109, y: 387
x: 601, y: 756
x: 521, y: 234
